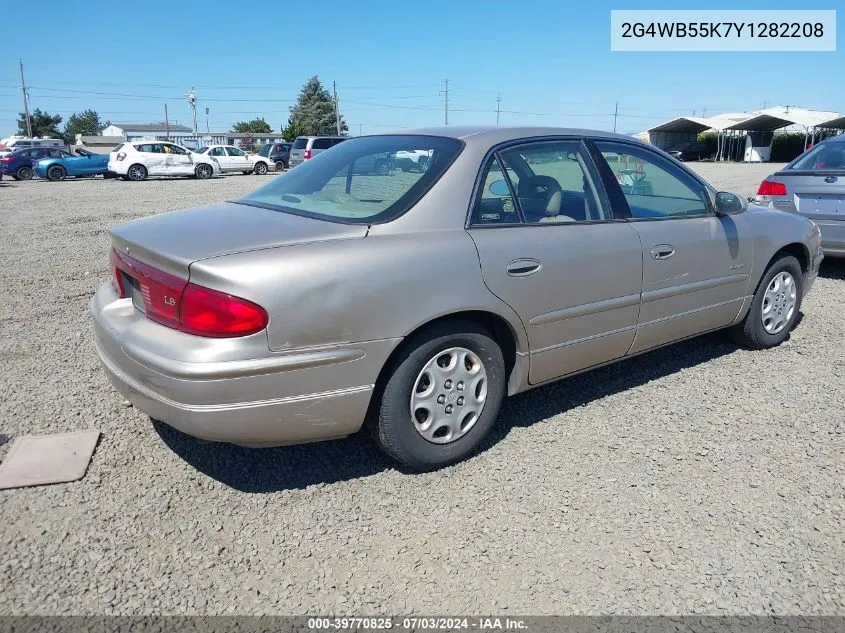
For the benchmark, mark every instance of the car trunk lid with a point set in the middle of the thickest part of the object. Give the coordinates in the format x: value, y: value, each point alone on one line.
x: 173, y: 241
x: 815, y: 194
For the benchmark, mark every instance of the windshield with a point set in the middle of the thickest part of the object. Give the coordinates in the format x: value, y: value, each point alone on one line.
x: 357, y: 181
x: 823, y: 156
x: 265, y: 150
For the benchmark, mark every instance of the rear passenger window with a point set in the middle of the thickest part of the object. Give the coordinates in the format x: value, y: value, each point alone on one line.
x: 321, y: 143
x: 652, y: 185
x: 551, y: 182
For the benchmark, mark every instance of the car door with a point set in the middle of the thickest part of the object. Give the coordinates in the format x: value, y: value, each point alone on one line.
x: 696, y: 265
x: 551, y: 248
x: 219, y: 152
x: 177, y: 160
x: 238, y: 159
x: 152, y: 156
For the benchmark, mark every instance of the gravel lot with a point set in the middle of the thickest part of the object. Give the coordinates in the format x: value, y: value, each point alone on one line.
x: 696, y: 479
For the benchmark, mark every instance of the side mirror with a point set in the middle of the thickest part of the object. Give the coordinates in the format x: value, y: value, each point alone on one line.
x: 499, y: 188
x: 728, y: 203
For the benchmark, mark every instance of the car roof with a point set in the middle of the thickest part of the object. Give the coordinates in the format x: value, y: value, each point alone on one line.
x: 493, y: 134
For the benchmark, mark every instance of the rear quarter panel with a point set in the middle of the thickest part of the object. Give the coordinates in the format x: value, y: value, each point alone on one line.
x: 357, y: 290
x: 772, y: 231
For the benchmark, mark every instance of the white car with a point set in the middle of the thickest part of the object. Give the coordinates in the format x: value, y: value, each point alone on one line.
x: 412, y: 159
x: 139, y: 159
x: 234, y: 159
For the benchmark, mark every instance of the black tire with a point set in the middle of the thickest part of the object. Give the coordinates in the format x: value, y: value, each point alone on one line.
x: 204, y: 171
x: 281, y: 165
x: 422, y: 163
x: 56, y: 172
x: 382, y: 167
x: 260, y: 168
x: 23, y: 173
x: 246, y: 173
x: 750, y: 332
x: 136, y: 172
x: 391, y: 422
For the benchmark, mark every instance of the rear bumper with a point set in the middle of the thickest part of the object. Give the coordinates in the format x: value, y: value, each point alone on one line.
x: 275, y: 399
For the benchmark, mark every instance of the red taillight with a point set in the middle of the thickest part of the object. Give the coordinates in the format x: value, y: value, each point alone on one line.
x: 307, y: 154
x: 771, y: 188
x: 6, y: 159
x: 172, y: 301
x: 208, y: 312
x: 121, y: 155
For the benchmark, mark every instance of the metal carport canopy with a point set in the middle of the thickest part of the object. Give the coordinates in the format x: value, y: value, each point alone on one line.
x: 834, y: 124
x: 682, y: 124
x: 761, y: 123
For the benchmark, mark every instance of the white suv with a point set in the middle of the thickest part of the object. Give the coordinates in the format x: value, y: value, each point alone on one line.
x: 412, y: 159
x: 139, y: 159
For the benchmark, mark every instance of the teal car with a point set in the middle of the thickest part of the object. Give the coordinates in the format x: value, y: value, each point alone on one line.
x: 82, y: 163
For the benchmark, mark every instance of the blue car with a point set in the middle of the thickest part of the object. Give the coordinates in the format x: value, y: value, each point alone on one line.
x: 83, y: 163
x: 19, y: 164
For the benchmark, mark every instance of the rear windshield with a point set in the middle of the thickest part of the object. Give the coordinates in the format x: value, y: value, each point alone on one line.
x: 300, y: 143
x: 357, y: 181
x: 823, y: 156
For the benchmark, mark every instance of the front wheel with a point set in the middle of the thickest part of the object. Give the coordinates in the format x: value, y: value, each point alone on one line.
x: 56, y: 172
x: 260, y: 169
x: 442, y: 396
x: 422, y: 164
x: 204, y: 172
x: 281, y: 165
x: 775, y: 306
x: 24, y: 173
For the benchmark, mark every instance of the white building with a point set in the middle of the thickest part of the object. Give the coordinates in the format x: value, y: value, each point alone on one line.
x: 184, y: 135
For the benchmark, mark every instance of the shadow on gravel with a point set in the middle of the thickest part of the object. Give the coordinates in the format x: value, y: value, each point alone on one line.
x: 282, y: 468
x: 295, y: 467
x: 833, y: 269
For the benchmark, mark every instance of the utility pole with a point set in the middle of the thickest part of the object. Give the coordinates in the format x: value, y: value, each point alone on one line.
x: 25, y: 103
x: 166, y: 122
x: 336, y: 107
x: 703, y: 111
x: 498, y: 107
x: 615, y: 115
x: 191, y: 98
x: 360, y: 129
x: 207, y: 131
x: 445, y: 93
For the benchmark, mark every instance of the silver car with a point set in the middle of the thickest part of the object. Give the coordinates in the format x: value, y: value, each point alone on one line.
x: 307, y: 147
x: 814, y: 186
x: 415, y: 301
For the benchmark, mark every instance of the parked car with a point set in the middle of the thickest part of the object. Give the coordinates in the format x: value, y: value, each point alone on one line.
x: 325, y: 299
x: 692, y: 150
x: 416, y: 159
x: 19, y: 164
x: 306, y: 147
x: 233, y: 159
x: 813, y: 185
x: 139, y: 159
x: 81, y: 164
x: 279, y: 153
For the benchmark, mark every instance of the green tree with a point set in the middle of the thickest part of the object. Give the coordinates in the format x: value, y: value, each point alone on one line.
x: 43, y: 124
x: 256, y: 126
x: 314, y: 112
x: 86, y: 123
x: 292, y: 130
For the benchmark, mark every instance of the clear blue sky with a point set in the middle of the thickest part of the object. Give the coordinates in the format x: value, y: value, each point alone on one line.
x: 551, y: 63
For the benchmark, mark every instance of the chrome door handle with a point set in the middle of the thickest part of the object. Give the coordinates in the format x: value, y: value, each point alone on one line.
x: 523, y: 267
x: 662, y: 251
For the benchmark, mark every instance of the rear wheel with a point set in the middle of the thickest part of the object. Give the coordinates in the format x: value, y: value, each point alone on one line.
x: 260, y: 168
x: 56, y: 172
x: 203, y: 171
x: 775, y: 306
x: 442, y: 396
x: 23, y: 173
x: 422, y: 163
x: 136, y: 172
